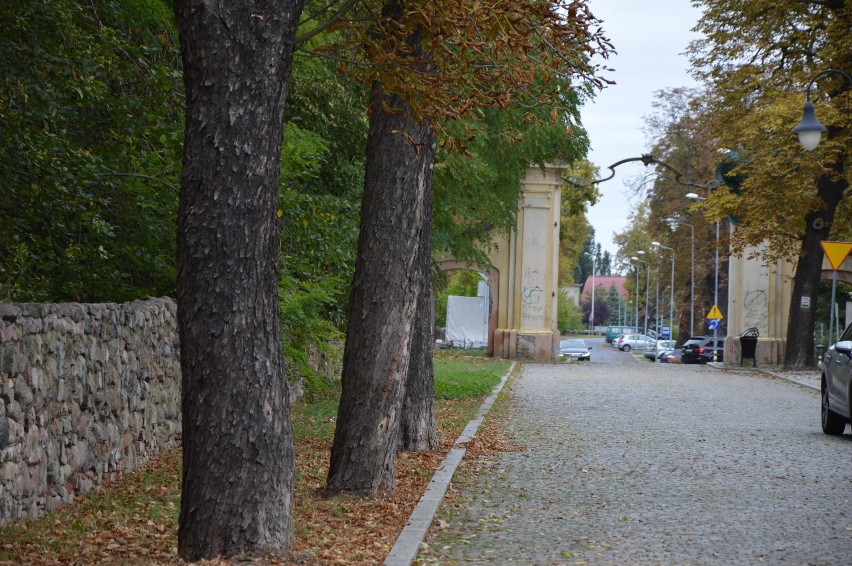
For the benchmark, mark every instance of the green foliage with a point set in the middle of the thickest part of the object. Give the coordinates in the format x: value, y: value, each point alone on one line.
x: 477, y: 191
x: 91, y: 120
x: 757, y: 58
x: 568, y: 314
x: 321, y: 182
x: 613, y: 302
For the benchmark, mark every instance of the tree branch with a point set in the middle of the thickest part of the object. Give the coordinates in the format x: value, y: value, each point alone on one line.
x: 347, y: 6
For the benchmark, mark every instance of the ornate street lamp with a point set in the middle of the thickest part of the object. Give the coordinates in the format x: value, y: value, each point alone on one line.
x: 592, y: 315
x: 673, y: 222
x: 810, y: 129
x: 647, y: 285
x: 671, y: 294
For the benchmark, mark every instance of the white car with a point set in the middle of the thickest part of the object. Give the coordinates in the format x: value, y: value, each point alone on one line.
x: 835, y: 385
x: 633, y: 342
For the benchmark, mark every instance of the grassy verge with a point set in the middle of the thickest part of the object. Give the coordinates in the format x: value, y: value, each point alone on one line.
x: 134, y: 520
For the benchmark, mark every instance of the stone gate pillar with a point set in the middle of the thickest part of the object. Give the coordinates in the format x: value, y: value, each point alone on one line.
x: 527, y: 318
x: 758, y: 296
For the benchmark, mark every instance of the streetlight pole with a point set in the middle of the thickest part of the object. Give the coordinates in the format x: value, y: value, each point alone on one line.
x: 691, y: 272
x: 671, y: 296
x: 695, y: 197
x: 592, y: 314
x: 647, y: 284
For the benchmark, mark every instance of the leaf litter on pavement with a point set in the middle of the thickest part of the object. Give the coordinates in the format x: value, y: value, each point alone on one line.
x: 134, y: 520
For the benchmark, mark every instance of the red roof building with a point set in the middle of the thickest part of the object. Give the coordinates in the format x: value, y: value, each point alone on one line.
x: 605, y: 282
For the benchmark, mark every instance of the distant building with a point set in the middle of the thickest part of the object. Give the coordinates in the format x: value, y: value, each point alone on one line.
x: 604, y: 282
x: 572, y: 292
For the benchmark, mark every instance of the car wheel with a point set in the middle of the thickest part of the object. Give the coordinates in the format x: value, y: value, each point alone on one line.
x: 626, y: 347
x: 832, y: 423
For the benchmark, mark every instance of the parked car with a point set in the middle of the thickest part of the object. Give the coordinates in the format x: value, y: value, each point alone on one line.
x: 657, y: 347
x: 633, y: 342
x: 835, y: 385
x: 574, y: 349
x: 699, y: 350
x: 671, y: 357
x: 612, y: 332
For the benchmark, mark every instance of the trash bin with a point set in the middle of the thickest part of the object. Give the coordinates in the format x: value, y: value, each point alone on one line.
x: 748, y: 345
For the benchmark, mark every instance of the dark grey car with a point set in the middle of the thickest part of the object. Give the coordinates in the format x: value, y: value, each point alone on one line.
x: 574, y: 349
x: 835, y: 385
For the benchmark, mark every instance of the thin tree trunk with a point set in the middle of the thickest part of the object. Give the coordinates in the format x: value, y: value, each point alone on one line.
x: 385, y: 290
x: 383, y: 300
x: 419, y: 431
x: 238, y: 462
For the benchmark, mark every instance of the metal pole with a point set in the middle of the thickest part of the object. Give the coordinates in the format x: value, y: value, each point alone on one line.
x: 637, y: 297
x: 671, y: 303
x: 831, y: 308
x: 675, y: 221
x: 592, y: 317
x: 647, y: 283
x: 657, y: 303
x: 716, y: 292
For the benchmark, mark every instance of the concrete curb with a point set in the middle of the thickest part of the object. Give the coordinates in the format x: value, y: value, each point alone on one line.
x: 407, y: 544
x: 791, y: 380
x: 768, y: 372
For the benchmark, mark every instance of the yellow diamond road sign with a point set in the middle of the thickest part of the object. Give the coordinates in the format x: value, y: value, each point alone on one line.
x: 714, y: 313
x: 836, y: 252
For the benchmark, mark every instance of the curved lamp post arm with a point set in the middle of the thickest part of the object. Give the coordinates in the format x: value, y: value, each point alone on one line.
x: 646, y: 159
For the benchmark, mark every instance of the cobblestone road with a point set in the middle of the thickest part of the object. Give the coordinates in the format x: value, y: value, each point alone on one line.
x: 641, y: 463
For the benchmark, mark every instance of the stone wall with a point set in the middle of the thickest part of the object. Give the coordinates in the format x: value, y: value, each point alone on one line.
x: 87, y: 392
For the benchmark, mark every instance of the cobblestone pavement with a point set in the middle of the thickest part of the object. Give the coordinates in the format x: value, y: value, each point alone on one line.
x: 642, y: 463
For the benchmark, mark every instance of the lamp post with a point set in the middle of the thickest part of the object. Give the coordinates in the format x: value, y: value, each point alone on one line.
x: 671, y: 296
x: 592, y: 314
x: 691, y: 272
x: 695, y: 197
x: 636, y: 302
x: 809, y: 129
x: 810, y: 132
x: 647, y: 284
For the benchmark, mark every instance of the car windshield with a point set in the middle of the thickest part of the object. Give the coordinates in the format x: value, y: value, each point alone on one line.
x: 572, y: 344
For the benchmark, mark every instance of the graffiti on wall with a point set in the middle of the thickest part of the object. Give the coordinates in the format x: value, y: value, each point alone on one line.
x: 755, y: 305
x: 532, y: 297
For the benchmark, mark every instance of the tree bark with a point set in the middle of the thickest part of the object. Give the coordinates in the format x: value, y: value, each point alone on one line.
x: 419, y: 430
x: 383, y: 300
x: 385, y: 290
x: 801, y: 325
x: 238, y: 461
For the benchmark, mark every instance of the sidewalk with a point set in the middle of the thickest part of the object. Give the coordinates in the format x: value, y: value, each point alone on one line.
x: 407, y: 546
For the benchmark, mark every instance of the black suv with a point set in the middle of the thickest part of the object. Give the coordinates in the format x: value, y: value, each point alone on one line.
x: 699, y: 350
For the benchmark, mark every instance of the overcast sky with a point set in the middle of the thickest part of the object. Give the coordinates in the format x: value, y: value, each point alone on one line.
x: 650, y: 38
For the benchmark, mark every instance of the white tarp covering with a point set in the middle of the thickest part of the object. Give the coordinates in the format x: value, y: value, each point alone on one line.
x: 467, y: 321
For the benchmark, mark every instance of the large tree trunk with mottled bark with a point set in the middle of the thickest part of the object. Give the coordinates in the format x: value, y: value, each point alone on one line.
x: 238, y: 461
x: 801, y: 326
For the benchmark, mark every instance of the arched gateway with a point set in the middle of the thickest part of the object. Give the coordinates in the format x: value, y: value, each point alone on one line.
x: 523, y: 280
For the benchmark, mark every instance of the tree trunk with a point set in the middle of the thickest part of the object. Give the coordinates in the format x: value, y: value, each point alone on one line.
x: 238, y: 462
x: 801, y: 323
x: 383, y: 300
x: 418, y: 410
x: 385, y: 290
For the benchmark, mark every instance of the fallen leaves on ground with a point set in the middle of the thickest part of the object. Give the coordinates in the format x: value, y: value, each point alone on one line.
x: 134, y: 520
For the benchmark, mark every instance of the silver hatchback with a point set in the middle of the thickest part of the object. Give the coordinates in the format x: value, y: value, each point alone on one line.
x: 835, y: 385
x: 633, y: 342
